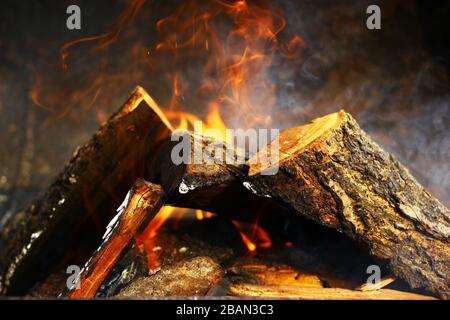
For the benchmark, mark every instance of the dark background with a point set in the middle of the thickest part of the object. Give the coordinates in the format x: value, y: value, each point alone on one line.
x: 394, y: 81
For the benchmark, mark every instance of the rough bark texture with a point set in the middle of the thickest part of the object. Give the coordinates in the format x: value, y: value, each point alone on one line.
x: 203, y: 180
x: 189, y: 278
x: 84, y: 196
x: 141, y: 204
x: 329, y: 171
x: 332, y: 172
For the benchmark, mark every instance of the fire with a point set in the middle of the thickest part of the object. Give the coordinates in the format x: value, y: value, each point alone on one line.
x: 146, y: 241
x: 202, y: 215
x: 208, y: 215
x: 253, y: 236
x: 235, y: 80
x: 106, y: 39
x: 213, y: 57
x: 199, y: 215
x: 158, y: 221
x: 250, y: 245
x: 210, y: 64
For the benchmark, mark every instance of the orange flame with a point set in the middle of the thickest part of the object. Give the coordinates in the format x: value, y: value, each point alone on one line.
x: 233, y: 43
x: 199, y: 215
x: 106, y: 39
x: 248, y: 243
x: 230, y: 44
x: 235, y: 79
x: 253, y: 236
x: 208, y: 215
x: 146, y: 238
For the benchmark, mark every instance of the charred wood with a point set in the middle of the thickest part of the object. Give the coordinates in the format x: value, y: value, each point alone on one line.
x: 83, y: 197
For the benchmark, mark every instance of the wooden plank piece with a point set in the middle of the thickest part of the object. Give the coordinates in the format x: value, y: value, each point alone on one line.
x: 141, y: 204
x: 314, y: 293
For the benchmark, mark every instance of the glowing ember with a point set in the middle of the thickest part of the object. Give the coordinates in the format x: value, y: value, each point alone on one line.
x: 199, y: 214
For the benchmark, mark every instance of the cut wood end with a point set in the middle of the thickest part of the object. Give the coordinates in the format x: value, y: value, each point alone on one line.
x: 296, y: 139
x: 137, y: 96
x: 145, y: 196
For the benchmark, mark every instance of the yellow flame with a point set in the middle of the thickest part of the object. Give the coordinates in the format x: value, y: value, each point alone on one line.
x: 199, y: 214
x: 248, y: 243
x: 158, y: 221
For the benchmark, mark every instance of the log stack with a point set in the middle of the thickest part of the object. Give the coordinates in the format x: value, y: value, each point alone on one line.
x: 330, y: 171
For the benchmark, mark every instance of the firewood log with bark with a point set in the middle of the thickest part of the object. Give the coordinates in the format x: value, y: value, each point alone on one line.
x: 332, y: 172
x: 83, y: 197
x: 203, y: 180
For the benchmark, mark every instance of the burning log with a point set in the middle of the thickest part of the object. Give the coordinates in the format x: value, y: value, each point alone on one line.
x: 207, y: 181
x: 329, y: 171
x: 332, y: 172
x: 202, y: 182
x: 83, y: 198
x: 141, y: 204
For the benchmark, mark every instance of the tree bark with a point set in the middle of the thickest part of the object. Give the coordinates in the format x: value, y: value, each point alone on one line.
x: 192, y: 277
x: 83, y: 198
x: 332, y: 172
x: 140, y: 205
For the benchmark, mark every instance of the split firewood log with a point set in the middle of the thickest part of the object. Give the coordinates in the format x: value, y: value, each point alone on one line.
x: 204, y: 180
x: 84, y: 196
x: 312, y: 293
x: 198, y: 166
x: 207, y: 181
x: 332, y: 172
x: 141, y: 204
